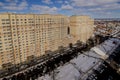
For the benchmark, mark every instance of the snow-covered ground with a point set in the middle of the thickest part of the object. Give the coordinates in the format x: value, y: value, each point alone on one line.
x: 79, y: 68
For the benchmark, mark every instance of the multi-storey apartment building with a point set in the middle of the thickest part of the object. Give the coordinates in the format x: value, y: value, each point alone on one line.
x: 27, y: 36
x: 81, y: 27
x: 23, y: 36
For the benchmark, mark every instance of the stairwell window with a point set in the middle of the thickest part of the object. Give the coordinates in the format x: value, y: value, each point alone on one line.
x: 68, y: 30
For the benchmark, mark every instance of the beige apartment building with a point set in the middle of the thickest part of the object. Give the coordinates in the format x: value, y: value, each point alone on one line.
x: 27, y: 36
x: 81, y: 27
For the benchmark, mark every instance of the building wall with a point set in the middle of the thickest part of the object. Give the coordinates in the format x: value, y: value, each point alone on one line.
x: 25, y: 36
x: 81, y: 27
x: 6, y: 48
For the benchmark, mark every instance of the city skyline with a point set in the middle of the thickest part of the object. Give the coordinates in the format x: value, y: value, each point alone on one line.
x: 95, y: 9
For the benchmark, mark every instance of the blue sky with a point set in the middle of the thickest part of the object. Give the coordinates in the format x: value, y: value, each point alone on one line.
x: 94, y: 8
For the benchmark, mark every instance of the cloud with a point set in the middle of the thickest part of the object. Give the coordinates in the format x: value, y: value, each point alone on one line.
x: 106, y: 1
x: 80, y: 3
x: 95, y: 7
x: 105, y: 7
x: 59, y: 1
x: 112, y: 6
x: 66, y: 7
x: 1, y: 4
x: 44, y: 9
x: 15, y: 6
x: 12, y: 1
x: 47, y: 1
x: 66, y: 2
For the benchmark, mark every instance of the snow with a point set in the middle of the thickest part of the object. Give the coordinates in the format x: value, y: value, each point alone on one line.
x: 65, y: 75
x: 79, y: 68
x: 100, y: 52
x: 46, y: 77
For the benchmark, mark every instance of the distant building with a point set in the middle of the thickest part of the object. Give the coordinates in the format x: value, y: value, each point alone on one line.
x: 24, y: 37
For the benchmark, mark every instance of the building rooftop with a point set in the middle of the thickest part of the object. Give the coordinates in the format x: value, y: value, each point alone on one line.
x: 80, y: 67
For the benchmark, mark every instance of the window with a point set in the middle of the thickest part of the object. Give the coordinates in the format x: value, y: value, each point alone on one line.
x: 12, y: 19
x: 3, y: 23
x: 17, y: 19
x: 68, y: 30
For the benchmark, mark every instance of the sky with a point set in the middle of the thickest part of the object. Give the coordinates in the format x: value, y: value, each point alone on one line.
x: 93, y: 8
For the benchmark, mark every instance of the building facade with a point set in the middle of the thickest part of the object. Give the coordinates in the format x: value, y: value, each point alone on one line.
x: 81, y: 27
x: 27, y: 36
